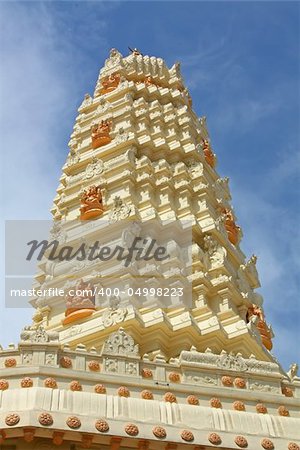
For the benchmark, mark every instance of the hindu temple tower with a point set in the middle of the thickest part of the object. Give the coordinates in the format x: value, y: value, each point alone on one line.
x: 88, y: 374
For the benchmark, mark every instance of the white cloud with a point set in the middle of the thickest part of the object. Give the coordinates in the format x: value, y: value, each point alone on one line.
x: 37, y: 97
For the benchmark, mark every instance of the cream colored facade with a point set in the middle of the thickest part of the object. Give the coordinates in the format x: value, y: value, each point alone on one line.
x: 147, y: 378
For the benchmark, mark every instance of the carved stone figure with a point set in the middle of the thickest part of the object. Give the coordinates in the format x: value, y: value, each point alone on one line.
x: 215, y: 251
x: 293, y: 371
x: 80, y: 302
x: 110, y: 83
x: 100, y: 133
x: 114, y: 59
x: 87, y: 101
x: 91, y: 203
x: 209, y: 156
x: 233, y: 230
x: 264, y: 330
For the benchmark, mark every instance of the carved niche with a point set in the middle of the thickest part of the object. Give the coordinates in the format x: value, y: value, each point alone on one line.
x: 121, y: 354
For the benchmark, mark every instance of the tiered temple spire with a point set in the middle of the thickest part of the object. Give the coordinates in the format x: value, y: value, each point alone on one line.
x: 105, y: 372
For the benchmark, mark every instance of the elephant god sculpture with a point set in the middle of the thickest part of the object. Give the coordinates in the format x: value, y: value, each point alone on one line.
x: 110, y: 83
x: 100, y: 134
x: 91, y: 203
x: 80, y: 302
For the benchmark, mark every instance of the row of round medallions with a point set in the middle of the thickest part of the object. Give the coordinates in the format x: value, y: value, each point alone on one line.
x: 146, y: 394
x: 174, y: 377
x: 101, y: 425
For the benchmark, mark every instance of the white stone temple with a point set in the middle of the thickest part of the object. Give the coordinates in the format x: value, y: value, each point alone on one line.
x: 100, y: 372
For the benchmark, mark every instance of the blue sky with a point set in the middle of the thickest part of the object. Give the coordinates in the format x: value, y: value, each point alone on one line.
x: 240, y: 61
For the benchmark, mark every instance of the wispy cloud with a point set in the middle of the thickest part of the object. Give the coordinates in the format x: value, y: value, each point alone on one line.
x: 38, y: 93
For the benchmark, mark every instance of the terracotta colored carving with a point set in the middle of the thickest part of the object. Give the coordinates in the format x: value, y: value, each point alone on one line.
x: 174, y: 377
x: 227, y: 381
x: 75, y: 386
x: 110, y: 83
x: 10, y: 362
x: 240, y: 383
x: 12, y: 419
x: 147, y: 395
x: 4, y: 385
x: 50, y: 383
x: 91, y: 203
x: 149, y: 81
x: 123, y: 391
x: 267, y: 444
x: 94, y: 366
x: 288, y: 392
x: 147, y: 373
x: 208, y: 154
x: 80, y: 302
x: 192, y: 400
x: 28, y: 434
x: 65, y: 362
x: 261, y: 408
x: 73, y: 422
x: 293, y: 446
x: 214, y: 439
x: 215, y: 402
x: 233, y: 230
x: 131, y: 429
x: 100, y: 389
x: 241, y: 441
x: 45, y: 419
x: 100, y: 134
x: 256, y: 313
x: 58, y: 437
x: 238, y: 406
x: 159, y: 432
x: 102, y: 426
x: 170, y: 397
x: 26, y: 382
x: 283, y: 411
x: 187, y: 435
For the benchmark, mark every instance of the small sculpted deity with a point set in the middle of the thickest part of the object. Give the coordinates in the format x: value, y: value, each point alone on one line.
x: 232, y: 229
x: 293, y: 371
x: 208, y: 154
x: 110, y: 83
x: 100, y: 133
x: 80, y: 301
x: 255, y: 311
x: 91, y: 203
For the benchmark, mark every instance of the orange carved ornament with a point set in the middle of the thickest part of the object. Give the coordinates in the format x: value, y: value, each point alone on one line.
x: 91, y: 203
x: 100, y: 133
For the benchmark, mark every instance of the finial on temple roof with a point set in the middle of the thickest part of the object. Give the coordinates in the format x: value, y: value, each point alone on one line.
x: 135, y: 51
